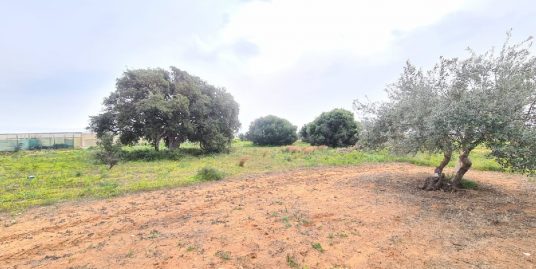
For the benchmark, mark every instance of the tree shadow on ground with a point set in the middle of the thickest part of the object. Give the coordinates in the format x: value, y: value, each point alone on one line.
x: 474, y: 210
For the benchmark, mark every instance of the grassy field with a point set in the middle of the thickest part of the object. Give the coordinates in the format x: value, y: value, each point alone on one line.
x: 30, y: 178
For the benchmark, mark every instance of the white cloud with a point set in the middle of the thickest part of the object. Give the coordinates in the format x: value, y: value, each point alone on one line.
x: 293, y: 58
x: 286, y: 31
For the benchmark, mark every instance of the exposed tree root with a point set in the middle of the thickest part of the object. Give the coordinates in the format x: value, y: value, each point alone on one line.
x: 437, y: 183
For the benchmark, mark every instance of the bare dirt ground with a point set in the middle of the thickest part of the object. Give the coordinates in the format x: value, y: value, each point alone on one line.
x: 369, y: 216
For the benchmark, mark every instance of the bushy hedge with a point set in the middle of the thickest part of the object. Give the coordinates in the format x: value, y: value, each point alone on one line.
x: 336, y: 128
x: 273, y: 131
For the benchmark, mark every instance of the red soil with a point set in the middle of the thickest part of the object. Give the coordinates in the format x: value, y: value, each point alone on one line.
x: 369, y: 216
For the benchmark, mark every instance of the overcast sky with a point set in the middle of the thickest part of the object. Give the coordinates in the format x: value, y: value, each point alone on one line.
x: 294, y: 59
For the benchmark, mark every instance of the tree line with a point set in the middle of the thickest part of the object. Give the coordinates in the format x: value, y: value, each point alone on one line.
x: 173, y: 106
x: 485, y: 99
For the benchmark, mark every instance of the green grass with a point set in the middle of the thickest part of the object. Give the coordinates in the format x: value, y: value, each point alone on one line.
x: 31, y: 178
x: 469, y: 184
x: 291, y: 262
x: 318, y: 247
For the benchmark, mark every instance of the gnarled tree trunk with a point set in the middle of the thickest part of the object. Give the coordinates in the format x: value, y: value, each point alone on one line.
x: 438, y: 181
x: 447, y: 155
x: 464, y: 166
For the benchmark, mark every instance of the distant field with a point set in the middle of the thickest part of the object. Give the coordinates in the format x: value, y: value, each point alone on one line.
x: 30, y: 178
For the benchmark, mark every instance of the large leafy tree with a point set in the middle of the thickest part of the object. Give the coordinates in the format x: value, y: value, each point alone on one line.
x: 335, y: 128
x: 485, y: 99
x: 173, y: 106
x: 272, y: 130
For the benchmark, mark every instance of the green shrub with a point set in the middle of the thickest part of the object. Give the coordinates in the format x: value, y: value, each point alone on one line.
x: 209, y: 173
x: 108, y: 152
x: 272, y: 131
x: 149, y: 155
x: 336, y: 128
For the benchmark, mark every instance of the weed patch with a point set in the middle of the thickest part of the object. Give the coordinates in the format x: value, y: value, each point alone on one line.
x: 224, y: 255
x: 318, y: 247
x: 209, y: 173
x: 291, y: 262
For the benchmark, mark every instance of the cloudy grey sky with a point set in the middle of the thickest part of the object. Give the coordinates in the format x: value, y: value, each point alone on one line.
x: 294, y: 59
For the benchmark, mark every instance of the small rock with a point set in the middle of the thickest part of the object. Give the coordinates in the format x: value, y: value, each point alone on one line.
x: 10, y: 223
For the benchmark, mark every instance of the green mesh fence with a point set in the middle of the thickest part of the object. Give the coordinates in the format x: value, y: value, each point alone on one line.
x: 35, y: 141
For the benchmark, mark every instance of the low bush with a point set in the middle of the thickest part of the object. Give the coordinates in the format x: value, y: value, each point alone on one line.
x: 149, y: 154
x: 336, y: 128
x: 108, y: 152
x: 272, y: 131
x: 209, y: 173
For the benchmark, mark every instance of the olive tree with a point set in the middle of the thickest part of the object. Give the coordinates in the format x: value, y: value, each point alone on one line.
x: 171, y: 106
x: 485, y: 99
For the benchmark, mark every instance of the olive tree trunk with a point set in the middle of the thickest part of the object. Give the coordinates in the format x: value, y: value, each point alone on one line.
x: 173, y: 143
x: 438, y: 181
x: 447, y: 155
x: 464, y: 166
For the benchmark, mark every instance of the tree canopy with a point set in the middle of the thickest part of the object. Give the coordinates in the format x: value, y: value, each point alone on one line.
x: 485, y: 99
x: 336, y: 128
x: 173, y: 106
x: 272, y: 130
